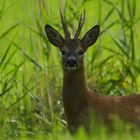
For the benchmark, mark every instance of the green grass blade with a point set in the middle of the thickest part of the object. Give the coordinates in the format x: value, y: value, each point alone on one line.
x: 95, y: 54
x: 134, y: 7
x: 16, y: 69
x: 2, y: 8
x: 40, y: 34
x: 107, y: 16
x: 5, y: 55
x: 131, y: 7
x: 9, y: 59
x: 26, y: 89
x: 104, y: 61
x: 112, y: 51
x: 132, y: 46
x: 5, y: 90
x: 9, y: 30
x: 121, y: 45
x: 109, y: 26
x: 28, y: 57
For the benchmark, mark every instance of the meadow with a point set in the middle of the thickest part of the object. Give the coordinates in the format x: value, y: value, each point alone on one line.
x: 31, y: 71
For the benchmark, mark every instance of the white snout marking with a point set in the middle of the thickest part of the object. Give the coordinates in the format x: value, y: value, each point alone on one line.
x: 71, y: 58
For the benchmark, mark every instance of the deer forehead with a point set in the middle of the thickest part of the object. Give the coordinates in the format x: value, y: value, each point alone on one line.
x: 72, y: 44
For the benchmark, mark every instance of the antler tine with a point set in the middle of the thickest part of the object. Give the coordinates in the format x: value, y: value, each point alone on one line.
x: 80, y: 25
x: 66, y: 31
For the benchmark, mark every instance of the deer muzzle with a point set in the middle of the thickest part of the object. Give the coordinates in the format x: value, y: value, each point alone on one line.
x: 71, y: 64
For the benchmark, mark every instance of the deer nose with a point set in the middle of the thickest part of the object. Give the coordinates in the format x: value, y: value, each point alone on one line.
x: 71, y: 62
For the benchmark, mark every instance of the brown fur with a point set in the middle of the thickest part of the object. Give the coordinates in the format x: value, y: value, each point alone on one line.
x: 79, y: 102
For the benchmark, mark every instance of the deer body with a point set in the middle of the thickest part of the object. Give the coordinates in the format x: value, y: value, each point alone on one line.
x: 79, y: 102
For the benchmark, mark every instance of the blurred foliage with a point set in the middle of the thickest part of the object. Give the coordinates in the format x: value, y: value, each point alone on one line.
x: 30, y: 67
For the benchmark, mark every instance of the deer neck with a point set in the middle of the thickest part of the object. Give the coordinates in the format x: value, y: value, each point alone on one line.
x: 74, y: 84
x: 74, y: 93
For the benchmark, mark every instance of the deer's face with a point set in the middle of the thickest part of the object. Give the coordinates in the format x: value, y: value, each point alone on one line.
x: 72, y: 54
x: 72, y: 49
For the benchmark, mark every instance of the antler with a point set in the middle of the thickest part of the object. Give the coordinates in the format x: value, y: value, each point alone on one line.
x: 80, y: 25
x: 66, y: 31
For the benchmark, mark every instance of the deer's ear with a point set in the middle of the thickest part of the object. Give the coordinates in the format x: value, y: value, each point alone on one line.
x: 54, y: 37
x: 90, y: 37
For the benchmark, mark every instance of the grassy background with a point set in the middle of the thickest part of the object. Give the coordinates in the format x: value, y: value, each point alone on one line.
x: 30, y: 67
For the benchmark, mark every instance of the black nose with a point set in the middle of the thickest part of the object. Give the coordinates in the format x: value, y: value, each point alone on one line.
x: 71, y: 62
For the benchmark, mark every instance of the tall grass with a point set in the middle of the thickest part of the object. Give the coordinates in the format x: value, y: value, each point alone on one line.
x: 30, y: 67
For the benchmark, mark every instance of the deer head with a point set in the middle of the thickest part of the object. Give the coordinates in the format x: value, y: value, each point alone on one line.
x: 72, y: 49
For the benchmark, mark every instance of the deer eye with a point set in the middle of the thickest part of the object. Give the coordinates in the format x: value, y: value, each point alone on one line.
x: 63, y: 52
x: 80, y: 52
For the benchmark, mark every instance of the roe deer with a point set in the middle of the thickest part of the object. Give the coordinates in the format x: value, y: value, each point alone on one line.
x: 79, y: 102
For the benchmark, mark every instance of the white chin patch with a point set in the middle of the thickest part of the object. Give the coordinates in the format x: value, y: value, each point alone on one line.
x: 71, y: 68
